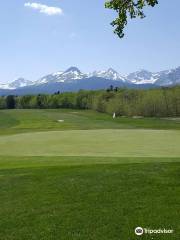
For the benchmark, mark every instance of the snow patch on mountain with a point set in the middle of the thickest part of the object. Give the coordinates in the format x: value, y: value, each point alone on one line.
x: 4, y: 86
x: 108, y: 74
x: 69, y: 75
x: 73, y: 73
x: 19, y: 82
x: 142, y: 77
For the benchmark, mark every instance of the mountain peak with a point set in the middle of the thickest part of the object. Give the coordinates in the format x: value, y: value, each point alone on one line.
x: 20, y: 79
x: 71, y: 74
x: 111, y: 70
x: 141, y: 77
x: 143, y: 70
x: 109, y: 74
x: 73, y: 69
x: 19, y: 82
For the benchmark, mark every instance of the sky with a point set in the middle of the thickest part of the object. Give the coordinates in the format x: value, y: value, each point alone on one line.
x: 43, y: 36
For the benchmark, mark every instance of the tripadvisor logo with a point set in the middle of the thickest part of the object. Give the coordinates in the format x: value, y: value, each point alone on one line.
x: 140, y: 231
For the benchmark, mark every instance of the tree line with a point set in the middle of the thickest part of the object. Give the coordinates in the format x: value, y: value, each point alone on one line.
x: 161, y: 102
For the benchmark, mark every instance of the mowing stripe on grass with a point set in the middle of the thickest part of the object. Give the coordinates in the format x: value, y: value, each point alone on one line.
x: 21, y: 162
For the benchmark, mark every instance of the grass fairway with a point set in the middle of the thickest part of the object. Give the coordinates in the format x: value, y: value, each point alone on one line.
x: 88, y: 177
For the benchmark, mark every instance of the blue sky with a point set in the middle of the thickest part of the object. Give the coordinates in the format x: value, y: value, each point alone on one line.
x: 33, y: 43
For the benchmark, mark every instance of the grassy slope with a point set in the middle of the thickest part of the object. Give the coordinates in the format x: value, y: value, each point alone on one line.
x: 17, y: 121
x: 102, y: 198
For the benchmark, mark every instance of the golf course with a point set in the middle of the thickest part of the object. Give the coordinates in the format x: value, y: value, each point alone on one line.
x: 70, y: 174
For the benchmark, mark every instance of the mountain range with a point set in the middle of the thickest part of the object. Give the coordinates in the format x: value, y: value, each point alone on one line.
x: 73, y: 80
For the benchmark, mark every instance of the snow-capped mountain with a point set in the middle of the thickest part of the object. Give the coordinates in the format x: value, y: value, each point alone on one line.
x: 163, y: 78
x: 168, y: 78
x: 73, y: 79
x: 71, y: 74
x: 143, y: 77
x: 109, y: 74
x: 4, y: 86
x: 19, y: 82
x: 54, y: 77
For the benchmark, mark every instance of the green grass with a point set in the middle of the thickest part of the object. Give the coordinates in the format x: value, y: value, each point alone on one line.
x: 17, y: 121
x: 117, y: 143
x: 90, y: 177
x: 98, y: 199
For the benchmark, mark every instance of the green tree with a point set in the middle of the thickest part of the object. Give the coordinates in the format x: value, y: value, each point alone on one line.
x: 24, y: 101
x: 125, y: 9
x: 10, y: 102
x: 2, y: 103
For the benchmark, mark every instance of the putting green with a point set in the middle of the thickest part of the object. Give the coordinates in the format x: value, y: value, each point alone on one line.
x: 115, y: 143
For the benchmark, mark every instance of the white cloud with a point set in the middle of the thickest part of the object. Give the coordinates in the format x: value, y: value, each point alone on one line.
x: 44, y: 8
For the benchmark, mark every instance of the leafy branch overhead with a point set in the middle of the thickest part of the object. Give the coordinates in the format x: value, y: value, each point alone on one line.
x: 125, y: 9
